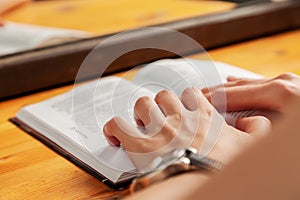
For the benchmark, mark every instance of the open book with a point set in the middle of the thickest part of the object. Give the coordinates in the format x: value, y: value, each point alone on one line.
x: 16, y: 37
x: 71, y: 123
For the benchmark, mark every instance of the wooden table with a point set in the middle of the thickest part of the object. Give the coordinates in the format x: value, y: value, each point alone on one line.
x: 29, y: 170
x: 102, y: 17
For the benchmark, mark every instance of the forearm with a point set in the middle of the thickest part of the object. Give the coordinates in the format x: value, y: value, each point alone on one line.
x: 178, y: 187
x: 268, y: 170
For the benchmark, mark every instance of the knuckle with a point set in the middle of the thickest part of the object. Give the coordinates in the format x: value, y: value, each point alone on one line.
x: 142, y: 101
x: 283, y: 88
x: 279, y: 84
x: 187, y: 91
x: 187, y: 94
x: 192, y: 92
x: 286, y: 76
x: 205, y: 114
x: 112, y: 125
x: 195, y: 91
x: 198, y: 94
x: 168, y: 130
x: 143, y: 146
x: 162, y: 94
x: 241, y: 82
x: 178, y: 116
x: 208, y: 112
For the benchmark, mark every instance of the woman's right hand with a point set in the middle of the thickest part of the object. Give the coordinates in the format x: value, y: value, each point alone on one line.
x: 262, y: 94
x: 170, y: 122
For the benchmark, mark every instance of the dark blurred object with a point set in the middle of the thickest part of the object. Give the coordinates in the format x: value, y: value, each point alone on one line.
x: 247, y: 1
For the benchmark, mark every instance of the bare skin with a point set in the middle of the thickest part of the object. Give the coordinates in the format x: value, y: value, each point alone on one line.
x: 269, y: 170
x: 172, y: 123
x: 266, y: 94
x: 269, y: 94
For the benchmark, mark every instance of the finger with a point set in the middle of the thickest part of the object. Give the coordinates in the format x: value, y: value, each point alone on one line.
x: 138, y: 122
x: 243, y: 80
x: 168, y: 102
x: 233, y: 82
x: 108, y: 133
x: 119, y: 131
x: 193, y: 99
x: 254, y: 125
x: 217, y: 87
x: 146, y: 111
x: 112, y: 140
x: 286, y: 76
x: 246, y: 97
x: 207, y: 90
x: 232, y: 78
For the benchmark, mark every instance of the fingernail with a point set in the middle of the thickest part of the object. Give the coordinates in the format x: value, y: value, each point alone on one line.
x: 231, y: 78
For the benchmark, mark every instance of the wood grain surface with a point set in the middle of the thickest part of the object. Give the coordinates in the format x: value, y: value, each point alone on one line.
x: 7, y: 6
x: 102, y: 17
x: 29, y: 170
x: 268, y: 56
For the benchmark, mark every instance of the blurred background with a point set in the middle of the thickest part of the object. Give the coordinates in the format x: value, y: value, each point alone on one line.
x: 43, y: 43
x: 58, y: 21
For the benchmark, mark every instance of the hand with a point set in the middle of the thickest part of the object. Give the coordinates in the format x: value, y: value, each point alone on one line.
x: 170, y: 123
x: 261, y: 94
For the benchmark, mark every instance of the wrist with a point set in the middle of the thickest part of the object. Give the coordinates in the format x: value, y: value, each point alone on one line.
x: 172, y: 164
x: 172, y: 188
x: 227, y: 145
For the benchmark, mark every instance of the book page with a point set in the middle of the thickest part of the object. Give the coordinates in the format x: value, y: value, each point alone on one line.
x: 15, y: 37
x: 94, y: 106
x: 179, y: 74
x: 75, y: 119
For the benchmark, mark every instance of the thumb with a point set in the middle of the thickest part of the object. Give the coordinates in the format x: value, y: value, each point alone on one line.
x: 254, y: 125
